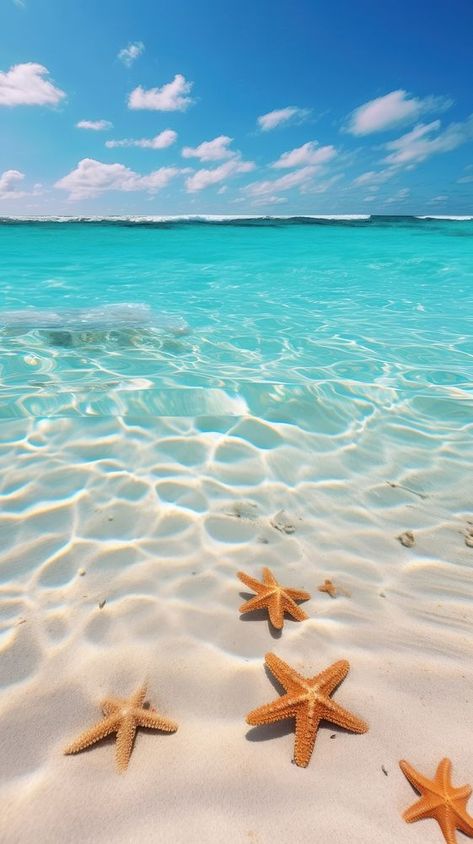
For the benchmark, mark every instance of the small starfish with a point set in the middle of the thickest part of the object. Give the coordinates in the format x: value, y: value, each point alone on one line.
x: 439, y: 800
x: 308, y: 700
x: 123, y: 717
x: 275, y: 598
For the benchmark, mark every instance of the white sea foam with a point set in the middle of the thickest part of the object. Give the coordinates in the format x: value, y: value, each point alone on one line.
x: 203, y: 218
x: 446, y: 217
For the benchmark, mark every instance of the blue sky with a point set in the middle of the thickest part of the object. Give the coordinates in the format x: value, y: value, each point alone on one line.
x: 262, y: 106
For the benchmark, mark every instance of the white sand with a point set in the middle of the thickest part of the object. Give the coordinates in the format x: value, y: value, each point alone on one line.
x: 147, y: 513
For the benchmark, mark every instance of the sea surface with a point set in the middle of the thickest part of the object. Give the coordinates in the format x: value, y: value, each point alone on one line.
x: 184, y: 398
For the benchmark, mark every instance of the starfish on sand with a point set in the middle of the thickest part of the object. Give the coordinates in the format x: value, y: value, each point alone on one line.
x: 308, y: 700
x: 439, y: 800
x: 275, y: 598
x: 123, y: 717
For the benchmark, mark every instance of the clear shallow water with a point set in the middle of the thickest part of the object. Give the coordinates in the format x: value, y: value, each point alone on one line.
x: 326, y: 372
x: 321, y: 323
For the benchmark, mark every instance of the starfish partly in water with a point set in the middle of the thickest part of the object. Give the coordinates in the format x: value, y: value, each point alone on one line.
x: 439, y: 800
x: 275, y: 598
x: 308, y: 700
x: 123, y: 716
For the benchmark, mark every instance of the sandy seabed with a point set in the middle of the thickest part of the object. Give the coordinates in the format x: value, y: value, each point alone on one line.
x: 155, y: 519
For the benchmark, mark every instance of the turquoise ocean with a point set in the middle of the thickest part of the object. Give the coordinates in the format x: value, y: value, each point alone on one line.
x: 183, y: 399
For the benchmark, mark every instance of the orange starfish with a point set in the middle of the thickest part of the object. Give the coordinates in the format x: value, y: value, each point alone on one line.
x: 308, y: 700
x: 123, y: 717
x: 439, y: 800
x: 275, y: 598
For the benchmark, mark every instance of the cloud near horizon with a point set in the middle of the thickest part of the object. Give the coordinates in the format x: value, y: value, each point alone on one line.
x: 94, y: 125
x: 391, y: 110
x: 25, y: 84
x: 204, y: 178
x: 161, y: 141
x: 92, y: 178
x: 281, y: 116
x: 298, y: 178
x: 422, y: 142
x: 170, y: 97
x: 131, y: 52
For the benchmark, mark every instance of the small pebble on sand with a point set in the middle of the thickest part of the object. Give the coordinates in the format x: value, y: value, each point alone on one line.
x: 407, y: 539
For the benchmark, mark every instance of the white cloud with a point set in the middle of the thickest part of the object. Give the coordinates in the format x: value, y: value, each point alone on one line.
x: 164, y: 139
x: 375, y: 177
x: 211, y: 150
x: 92, y: 178
x: 9, y: 181
x: 171, y: 97
x: 307, y: 154
x: 321, y: 187
x: 391, y: 110
x: 95, y: 125
x: 204, y: 178
x: 130, y: 53
x: 426, y: 140
x: 281, y: 116
x: 297, y: 178
x: 25, y: 84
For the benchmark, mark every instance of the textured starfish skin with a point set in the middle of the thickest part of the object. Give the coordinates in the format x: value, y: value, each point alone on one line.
x: 308, y: 700
x: 123, y: 716
x: 439, y: 800
x: 275, y: 598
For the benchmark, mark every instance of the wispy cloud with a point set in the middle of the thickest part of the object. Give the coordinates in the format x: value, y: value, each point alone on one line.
x: 400, y: 196
x: 205, y: 178
x: 25, y: 84
x: 393, y: 109
x: 375, y: 177
x: 164, y: 139
x: 211, y: 150
x: 307, y: 154
x: 94, y: 125
x: 131, y: 52
x: 171, y: 97
x: 428, y: 139
x: 298, y: 178
x: 92, y: 178
x: 281, y: 117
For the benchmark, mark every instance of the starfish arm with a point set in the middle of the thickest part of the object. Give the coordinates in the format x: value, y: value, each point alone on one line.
x: 138, y: 697
x: 259, y: 602
x: 283, y: 707
x: 328, y: 680
x: 306, y: 733
x: 419, y: 810
x: 464, y: 821
x: 276, y: 611
x: 338, y: 715
x: 153, y: 721
x: 112, y: 704
x: 446, y: 821
x: 297, y: 594
x: 416, y: 779
x: 293, y: 609
x: 125, y: 738
x: 251, y: 582
x: 287, y: 676
x: 269, y: 578
x: 97, y: 732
